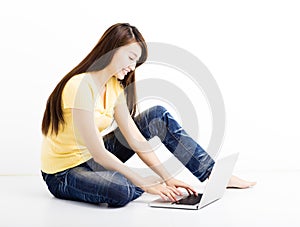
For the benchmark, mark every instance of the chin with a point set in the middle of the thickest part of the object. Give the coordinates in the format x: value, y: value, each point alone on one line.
x: 120, y: 77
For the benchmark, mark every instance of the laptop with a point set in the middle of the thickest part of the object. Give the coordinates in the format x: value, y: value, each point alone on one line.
x: 214, y: 189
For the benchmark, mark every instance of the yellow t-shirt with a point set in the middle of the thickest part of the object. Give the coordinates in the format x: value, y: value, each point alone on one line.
x: 66, y: 150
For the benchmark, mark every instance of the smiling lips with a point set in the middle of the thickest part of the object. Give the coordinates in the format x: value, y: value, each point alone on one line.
x: 126, y: 70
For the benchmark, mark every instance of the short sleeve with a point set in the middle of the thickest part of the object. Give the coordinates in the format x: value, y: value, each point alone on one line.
x: 78, y: 94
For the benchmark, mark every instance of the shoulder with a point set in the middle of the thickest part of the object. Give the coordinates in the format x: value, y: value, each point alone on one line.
x: 78, y: 93
x: 76, y: 81
x: 81, y: 82
x: 79, y: 85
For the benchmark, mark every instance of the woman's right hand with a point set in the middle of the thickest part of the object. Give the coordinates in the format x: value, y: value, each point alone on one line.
x: 156, y: 186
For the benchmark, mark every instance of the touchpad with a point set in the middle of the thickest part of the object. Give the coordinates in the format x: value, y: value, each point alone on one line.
x: 190, y: 200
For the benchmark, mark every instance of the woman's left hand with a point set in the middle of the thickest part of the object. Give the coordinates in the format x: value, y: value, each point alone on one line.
x: 174, y: 184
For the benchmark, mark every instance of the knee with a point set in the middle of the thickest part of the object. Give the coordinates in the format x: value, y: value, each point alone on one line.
x: 152, y: 121
x: 157, y: 122
x: 156, y: 112
x: 160, y: 110
x: 121, y: 191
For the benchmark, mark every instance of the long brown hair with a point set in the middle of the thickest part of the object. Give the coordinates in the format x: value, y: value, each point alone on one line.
x: 117, y: 35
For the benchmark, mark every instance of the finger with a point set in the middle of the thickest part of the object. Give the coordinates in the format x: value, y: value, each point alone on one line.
x: 175, y: 190
x: 178, y: 191
x: 181, y: 186
x: 171, y: 196
x: 193, y: 191
x: 186, y: 187
x: 163, y: 196
x: 189, y: 189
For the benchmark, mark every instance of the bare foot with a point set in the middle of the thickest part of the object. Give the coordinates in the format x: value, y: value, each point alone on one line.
x: 236, y: 182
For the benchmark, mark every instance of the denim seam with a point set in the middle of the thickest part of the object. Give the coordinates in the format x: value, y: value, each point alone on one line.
x: 76, y: 189
x: 113, y: 200
x: 192, y: 155
x: 147, y: 127
x: 179, y: 142
x: 172, y: 136
x: 87, y: 193
x: 164, y: 113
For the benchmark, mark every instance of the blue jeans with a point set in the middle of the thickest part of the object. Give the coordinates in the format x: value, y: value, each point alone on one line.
x: 92, y: 183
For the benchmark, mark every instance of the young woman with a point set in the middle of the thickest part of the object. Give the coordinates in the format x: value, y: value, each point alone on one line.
x: 79, y: 163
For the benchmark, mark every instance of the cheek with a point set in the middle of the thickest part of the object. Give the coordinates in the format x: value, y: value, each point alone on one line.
x: 120, y: 61
x: 124, y: 61
x: 123, y: 58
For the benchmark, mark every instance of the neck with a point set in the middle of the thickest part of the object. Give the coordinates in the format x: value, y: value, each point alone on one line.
x: 101, y: 78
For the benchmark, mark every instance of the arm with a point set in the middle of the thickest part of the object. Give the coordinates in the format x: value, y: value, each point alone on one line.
x: 137, y: 141
x: 85, y: 127
x: 144, y: 150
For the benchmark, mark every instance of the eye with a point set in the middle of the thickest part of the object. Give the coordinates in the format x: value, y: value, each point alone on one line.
x: 131, y: 59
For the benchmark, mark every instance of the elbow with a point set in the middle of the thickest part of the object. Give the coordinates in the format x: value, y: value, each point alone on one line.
x: 101, y: 161
x: 104, y: 162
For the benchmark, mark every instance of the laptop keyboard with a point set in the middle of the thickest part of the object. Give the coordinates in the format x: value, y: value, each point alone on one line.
x: 189, y: 200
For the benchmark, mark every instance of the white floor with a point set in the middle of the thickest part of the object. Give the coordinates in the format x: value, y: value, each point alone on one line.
x: 274, y: 201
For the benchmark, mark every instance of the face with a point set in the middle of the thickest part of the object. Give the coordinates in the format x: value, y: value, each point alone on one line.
x: 125, y: 59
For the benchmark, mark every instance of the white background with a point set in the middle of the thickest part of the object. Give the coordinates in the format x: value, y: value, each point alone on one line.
x: 252, y: 49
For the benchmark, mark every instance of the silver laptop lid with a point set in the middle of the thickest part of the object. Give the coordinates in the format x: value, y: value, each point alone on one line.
x: 218, y: 179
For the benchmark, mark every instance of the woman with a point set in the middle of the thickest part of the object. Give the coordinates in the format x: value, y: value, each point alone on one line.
x: 79, y: 163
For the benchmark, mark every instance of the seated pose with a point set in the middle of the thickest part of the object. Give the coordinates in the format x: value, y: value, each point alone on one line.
x: 80, y: 162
